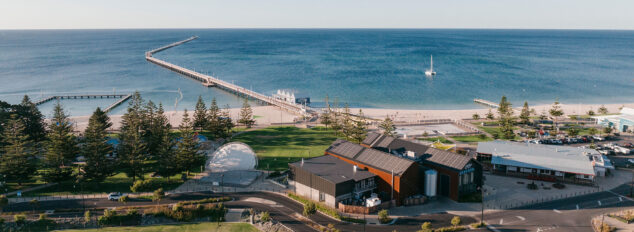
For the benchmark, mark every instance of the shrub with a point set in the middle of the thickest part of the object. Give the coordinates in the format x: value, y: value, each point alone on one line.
x: 265, y: 217
x: 206, y: 200
x: 477, y: 225
x: 455, y: 221
x: 180, y: 212
x: 158, y: 195
x: 1, y: 221
x: 42, y: 217
x: 321, y: 208
x: 450, y: 229
x: 384, y: 217
x: 124, y: 199
x: 426, y: 227
x: 19, y: 219
x: 110, y: 217
x: 309, y: 209
x: 145, y: 185
x: 87, y: 216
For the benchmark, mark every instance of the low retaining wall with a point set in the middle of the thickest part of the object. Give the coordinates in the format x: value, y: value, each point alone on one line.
x: 362, y: 209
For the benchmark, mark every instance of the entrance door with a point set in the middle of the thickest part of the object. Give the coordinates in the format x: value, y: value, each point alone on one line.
x: 443, y: 185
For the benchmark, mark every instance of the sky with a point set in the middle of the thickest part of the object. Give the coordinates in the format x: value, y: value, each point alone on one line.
x: 507, y: 14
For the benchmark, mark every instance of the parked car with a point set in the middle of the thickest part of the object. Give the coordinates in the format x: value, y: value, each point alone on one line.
x: 628, y: 145
x: 622, y: 150
x: 114, y: 196
x: 630, y: 160
x: 598, y: 138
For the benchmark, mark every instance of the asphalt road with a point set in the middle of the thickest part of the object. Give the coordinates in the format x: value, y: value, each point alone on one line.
x: 571, y: 214
x: 281, y: 208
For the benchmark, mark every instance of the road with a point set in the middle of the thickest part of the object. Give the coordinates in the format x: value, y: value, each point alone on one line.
x: 281, y: 208
x: 571, y: 214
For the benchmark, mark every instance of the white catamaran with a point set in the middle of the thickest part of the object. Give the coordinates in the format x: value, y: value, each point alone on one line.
x: 430, y: 71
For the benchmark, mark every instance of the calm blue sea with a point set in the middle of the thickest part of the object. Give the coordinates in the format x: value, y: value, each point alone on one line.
x: 367, y: 68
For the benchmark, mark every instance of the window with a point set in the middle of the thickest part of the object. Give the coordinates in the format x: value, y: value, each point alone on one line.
x: 322, y: 196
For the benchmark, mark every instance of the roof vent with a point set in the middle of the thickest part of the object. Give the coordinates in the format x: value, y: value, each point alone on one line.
x: 302, y: 162
x: 354, y: 168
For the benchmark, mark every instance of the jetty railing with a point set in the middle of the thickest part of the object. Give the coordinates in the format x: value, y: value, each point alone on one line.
x: 209, y: 81
x: 124, y: 97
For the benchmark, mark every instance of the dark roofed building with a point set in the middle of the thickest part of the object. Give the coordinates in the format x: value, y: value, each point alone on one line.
x: 398, y: 178
x: 458, y: 174
x: 331, y: 180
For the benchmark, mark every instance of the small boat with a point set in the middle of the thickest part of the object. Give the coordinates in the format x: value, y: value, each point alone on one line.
x: 430, y: 71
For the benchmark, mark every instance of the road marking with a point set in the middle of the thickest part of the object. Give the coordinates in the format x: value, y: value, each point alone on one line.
x: 577, y: 207
x: 599, y: 203
x: 620, y: 198
x: 556, y: 211
x: 521, y: 218
x: 492, y: 228
x: 501, y: 221
x: 627, y: 198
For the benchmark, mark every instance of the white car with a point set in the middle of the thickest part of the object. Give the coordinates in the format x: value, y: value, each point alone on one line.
x: 630, y: 160
x: 598, y: 138
x: 114, y: 196
x: 621, y: 150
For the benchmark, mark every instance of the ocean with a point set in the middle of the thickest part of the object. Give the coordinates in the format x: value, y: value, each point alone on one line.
x: 375, y: 68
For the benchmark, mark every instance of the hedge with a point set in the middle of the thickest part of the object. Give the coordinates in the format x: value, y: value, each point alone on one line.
x: 320, y: 207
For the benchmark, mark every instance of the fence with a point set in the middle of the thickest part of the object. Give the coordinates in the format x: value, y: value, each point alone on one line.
x: 521, y: 204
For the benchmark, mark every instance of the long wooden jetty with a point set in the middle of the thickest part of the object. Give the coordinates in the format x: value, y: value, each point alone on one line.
x: 486, y: 103
x: 210, y: 81
x: 124, y: 97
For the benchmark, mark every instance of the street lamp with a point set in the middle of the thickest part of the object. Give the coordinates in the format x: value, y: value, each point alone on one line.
x: 482, y: 191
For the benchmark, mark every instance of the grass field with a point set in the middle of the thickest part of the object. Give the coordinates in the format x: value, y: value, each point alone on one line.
x: 434, y: 139
x: 116, y: 183
x: 471, y: 139
x: 278, y: 146
x: 196, y: 227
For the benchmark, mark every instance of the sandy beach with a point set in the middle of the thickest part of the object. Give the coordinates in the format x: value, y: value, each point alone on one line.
x: 264, y: 115
x: 269, y: 115
x: 414, y: 115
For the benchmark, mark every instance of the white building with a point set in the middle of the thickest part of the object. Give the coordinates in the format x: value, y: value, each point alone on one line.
x: 545, y: 162
x: 623, y: 122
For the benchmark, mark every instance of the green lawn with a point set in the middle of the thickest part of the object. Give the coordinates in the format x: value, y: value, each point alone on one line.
x: 471, y: 139
x: 116, y: 183
x: 196, y: 227
x: 278, y: 146
x: 11, y: 186
x: 434, y: 139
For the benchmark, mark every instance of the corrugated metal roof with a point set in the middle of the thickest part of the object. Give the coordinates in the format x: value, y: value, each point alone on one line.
x: 372, y: 136
x: 384, y: 161
x: 344, y: 148
x: 430, y: 154
x: 547, y: 157
x: 371, y: 157
x: 332, y: 169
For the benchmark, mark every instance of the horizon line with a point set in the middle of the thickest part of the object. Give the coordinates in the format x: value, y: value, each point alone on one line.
x: 317, y: 28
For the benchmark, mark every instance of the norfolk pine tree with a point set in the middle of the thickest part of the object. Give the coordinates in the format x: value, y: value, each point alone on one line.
x: 246, y: 114
x: 525, y: 114
x: 187, y: 154
x: 132, y: 149
x: 62, y: 147
x: 32, y: 118
x: 200, y: 114
x: 17, y: 163
x: 96, y: 148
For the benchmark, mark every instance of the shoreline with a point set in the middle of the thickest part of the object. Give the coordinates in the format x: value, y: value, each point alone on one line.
x: 271, y: 115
